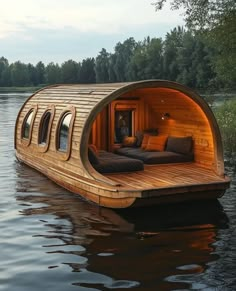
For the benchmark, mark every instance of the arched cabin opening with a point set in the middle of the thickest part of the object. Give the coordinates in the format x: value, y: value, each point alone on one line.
x: 159, y: 111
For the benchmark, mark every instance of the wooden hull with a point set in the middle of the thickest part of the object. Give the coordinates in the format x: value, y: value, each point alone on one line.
x: 123, y: 197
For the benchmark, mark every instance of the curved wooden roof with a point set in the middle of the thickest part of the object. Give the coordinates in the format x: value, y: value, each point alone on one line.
x: 90, y: 99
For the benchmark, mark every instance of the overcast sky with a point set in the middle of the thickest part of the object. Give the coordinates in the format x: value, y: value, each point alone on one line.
x: 59, y: 30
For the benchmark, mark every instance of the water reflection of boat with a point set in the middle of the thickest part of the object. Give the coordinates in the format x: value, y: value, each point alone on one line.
x: 69, y: 133
x: 164, y: 244
x: 146, y: 248
x: 186, y: 215
x: 168, y: 217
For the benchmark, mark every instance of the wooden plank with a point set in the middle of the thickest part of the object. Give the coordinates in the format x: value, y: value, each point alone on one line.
x: 158, y: 176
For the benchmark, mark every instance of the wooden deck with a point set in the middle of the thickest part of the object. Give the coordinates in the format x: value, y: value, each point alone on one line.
x: 165, y: 176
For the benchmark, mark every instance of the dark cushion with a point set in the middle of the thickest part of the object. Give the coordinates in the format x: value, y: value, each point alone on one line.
x: 155, y: 157
x: 181, y: 145
x: 140, y: 134
x: 92, y: 156
x: 139, y: 138
x: 112, y: 163
x: 129, y: 152
x: 166, y: 157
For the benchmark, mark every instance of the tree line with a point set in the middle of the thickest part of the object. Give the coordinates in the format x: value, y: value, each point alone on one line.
x: 215, y: 22
x: 183, y: 56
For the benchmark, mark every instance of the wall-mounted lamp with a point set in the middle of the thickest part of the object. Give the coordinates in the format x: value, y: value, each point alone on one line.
x: 165, y: 116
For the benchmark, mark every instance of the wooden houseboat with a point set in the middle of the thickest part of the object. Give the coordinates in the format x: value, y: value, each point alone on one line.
x: 124, y: 144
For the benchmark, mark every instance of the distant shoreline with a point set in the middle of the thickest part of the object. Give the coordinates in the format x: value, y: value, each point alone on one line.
x: 19, y: 89
x: 213, y: 95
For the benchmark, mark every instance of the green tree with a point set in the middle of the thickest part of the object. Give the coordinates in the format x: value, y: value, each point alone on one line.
x: 40, y: 69
x: 173, y: 42
x: 4, y: 65
x: 123, y: 54
x: 147, y: 60
x: 19, y: 74
x: 154, y: 67
x: 87, y: 71
x: 202, y: 65
x: 216, y: 20
x: 111, y: 68
x: 6, y: 77
x: 33, y: 80
x: 102, y: 67
x: 225, y: 115
x: 223, y: 39
x: 187, y: 72
x: 70, y: 72
x: 138, y: 63
x: 202, y: 13
x: 53, y: 73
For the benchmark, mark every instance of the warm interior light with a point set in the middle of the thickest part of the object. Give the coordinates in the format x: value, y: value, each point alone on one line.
x: 165, y: 116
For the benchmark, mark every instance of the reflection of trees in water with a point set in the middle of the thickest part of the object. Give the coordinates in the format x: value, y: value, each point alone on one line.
x: 64, y: 131
x: 152, y: 246
x: 27, y: 124
x: 63, y: 139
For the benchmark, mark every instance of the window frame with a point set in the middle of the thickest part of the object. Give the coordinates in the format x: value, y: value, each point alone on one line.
x: 127, y: 116
x: 43, y: 147
x: 65, y: 155
x: 27, y: 141
x: 130, y: 105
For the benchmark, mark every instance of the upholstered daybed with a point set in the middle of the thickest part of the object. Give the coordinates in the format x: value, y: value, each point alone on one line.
x: 175, y: 150
x: 107, y: 162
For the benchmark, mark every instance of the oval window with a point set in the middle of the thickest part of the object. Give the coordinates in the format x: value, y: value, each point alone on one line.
x: 44, y: 127
x: 27, y: 125
x: 63, y: 135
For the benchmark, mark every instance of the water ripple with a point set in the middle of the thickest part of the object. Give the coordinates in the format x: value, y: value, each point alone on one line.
x: 53, y: 240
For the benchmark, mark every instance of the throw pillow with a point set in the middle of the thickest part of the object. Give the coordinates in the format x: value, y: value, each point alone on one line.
x: 139, y: 138
x: 129, y: 141
x: 181, y: 145
x: 156, y: 143
x: 94, y: 148
x: 145, y: 141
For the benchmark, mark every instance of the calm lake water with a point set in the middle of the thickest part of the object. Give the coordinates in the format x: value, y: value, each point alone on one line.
x: 53, y: 240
